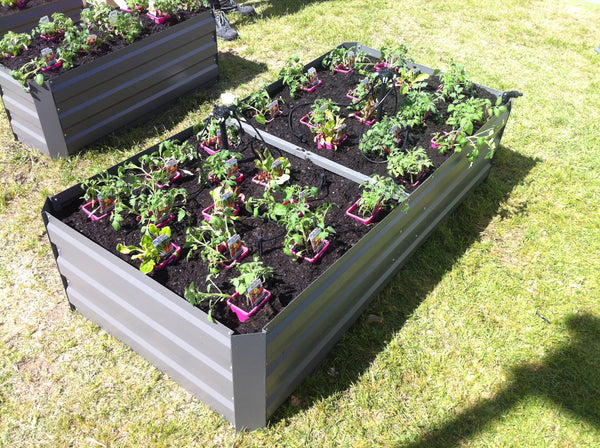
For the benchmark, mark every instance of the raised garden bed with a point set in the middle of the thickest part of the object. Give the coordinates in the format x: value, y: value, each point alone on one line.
x: 24, y: 19
x: 75, y: 108
x: 245, y: 370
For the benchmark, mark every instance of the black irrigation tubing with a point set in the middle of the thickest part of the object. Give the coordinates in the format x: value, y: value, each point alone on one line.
x: 260, y: 240
x: 236, y: 114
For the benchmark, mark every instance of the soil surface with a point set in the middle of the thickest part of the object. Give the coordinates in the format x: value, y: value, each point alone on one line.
x: 291, y: 276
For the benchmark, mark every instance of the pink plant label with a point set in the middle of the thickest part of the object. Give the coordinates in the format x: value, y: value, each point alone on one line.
x: 48, y: 55
x: 316, y: 242
x: 227, y: 199
x: 171, y: 167
x: 274, y: 108
x: 232, y: 168
x: 255, y: 291
x: 235, y: 246
x: 277, y: 168
x: 106, y: 204
x: 340, y: 132
x: 162, y: 244
x: 351, y: 59
x: 313, y: 79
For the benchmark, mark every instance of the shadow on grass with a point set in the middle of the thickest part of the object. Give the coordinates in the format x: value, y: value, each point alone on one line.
x: 358, y: 347
x: 276, y: 8
x: 233, y: 71
x: 568, y: 377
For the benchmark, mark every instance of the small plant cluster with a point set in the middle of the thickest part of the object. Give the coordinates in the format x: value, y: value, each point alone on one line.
x: 271, y: 170
x: 345, y: 59
x: 69, y: 42
x: 466, y: 114
x: 380, y: 192
x: 326, y: 123
x: 210, y: 134
x: 260, y: 105
x: 295, y: 78
x: 142, y: 189
x: 305, y: 229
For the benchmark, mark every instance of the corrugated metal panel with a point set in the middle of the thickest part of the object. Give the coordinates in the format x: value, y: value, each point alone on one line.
x: 27, y: 19
x: 249, y: 359
x: 165, y: 329
x: 22, y: 113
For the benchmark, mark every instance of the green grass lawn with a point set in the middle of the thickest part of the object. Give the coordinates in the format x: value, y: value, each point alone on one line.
x: 488, y: 337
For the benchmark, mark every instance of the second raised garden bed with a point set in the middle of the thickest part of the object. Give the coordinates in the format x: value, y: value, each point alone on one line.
x: 81, y: 105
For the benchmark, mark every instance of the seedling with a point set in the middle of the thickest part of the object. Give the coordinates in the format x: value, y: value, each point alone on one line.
x: 417, y: 106
x: 13, y: 44
x: 300, y: 230
x: 394, y: 58
x: 249, y: 282
x: 261, y: 105
x: 383, y: 137
x: 292, y: 75
x: 344, y: 59
x: 155, y: 247
x: 454, y: 82
x: 223, y: 167
x: 272, y: 170
x: 408, y: 164
x: 379, y: 191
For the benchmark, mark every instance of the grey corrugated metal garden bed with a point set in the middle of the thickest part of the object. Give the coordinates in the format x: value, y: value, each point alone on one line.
x: 76, y: 108
x: 245, y: 377
x: 25, y: 20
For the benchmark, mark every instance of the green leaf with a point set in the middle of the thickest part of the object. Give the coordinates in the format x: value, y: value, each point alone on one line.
x: 147, y: 266
x: 39, y: 79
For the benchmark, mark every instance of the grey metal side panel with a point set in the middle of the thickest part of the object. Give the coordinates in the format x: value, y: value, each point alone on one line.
x: 249, y: 359
x: 304, y: 332
x: 158, y: 324
x: 27, y: 19
x: 23, y: 114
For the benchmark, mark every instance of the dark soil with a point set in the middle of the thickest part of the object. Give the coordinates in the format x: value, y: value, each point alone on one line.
x: 291, y: 276
x: 335, y: 86
x: 108, y: 45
